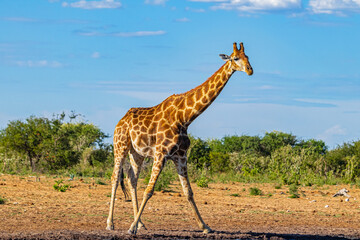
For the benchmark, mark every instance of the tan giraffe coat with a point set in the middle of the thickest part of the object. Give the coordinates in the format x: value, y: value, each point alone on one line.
x: 160, y: 132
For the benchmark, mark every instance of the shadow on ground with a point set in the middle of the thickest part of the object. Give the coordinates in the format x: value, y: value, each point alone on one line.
x: 165, y: 234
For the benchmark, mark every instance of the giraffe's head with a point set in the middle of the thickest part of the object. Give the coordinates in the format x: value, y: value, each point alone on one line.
x: 238, y: 60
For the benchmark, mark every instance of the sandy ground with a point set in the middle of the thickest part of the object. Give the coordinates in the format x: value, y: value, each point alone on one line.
x: 34, y: 210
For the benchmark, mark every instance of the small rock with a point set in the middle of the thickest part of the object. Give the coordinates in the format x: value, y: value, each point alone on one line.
x: 312, y: 201
x: 205, y: 202
x: 346, y: 200
x: 326, y: 206
x: 15, y: 203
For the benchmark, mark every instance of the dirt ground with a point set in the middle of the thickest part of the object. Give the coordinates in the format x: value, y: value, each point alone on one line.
x: 34, y: 210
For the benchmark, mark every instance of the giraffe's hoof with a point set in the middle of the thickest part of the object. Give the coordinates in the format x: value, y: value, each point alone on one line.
x: 133, y: 229
x: 110, y: 227
x: 207, y: 230
x: 141, y: 225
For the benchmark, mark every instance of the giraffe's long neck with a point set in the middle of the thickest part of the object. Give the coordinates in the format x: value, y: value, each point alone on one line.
x: 199, y: 99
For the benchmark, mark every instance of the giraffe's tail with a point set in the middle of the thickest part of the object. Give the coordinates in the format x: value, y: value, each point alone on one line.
x: 123, y: 187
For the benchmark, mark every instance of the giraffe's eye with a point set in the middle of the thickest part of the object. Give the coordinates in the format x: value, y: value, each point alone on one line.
x: 236, y: 58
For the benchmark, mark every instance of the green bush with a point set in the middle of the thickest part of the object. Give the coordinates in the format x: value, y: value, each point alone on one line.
x: 255, y: 191
x: 100, y: 182
x: 2, y: 200
x: 203, y: 182
x: 59, y: 186
x: 219, y: 162
x: 293, y: 190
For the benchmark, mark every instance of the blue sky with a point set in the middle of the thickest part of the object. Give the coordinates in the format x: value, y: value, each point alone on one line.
x: 99, y: 58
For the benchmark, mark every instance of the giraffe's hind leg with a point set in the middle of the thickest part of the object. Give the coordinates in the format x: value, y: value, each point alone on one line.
x: 158, y: 165
x: 120, y: 154
x: 136, y: 162
x: 181, y: 168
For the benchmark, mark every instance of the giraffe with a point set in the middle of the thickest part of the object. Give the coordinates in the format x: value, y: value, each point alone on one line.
x: 160, y: 132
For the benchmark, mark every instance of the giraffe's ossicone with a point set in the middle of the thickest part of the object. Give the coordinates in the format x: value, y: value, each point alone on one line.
x: 160, y: 132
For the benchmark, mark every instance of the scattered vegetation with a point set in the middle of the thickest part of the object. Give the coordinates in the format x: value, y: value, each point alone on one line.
x: 293, y: 190
x: 255, y: 191
x: 60, y: 186
x: 203, y: 181
x: 2, y: 200
x: 100, y: 182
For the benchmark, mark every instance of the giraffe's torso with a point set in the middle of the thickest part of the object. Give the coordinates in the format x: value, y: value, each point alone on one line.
x: 158, y: 128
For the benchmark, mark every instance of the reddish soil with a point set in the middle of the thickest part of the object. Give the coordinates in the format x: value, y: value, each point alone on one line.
x: 34, y: 210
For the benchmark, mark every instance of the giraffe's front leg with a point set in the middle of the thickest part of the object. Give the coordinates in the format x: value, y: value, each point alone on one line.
x: 120, y: 156
x: 115, y: 182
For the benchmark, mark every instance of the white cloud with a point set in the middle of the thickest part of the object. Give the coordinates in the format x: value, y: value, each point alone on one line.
x: 39, y: 63
x: 266, y: 87
x: 207, y: 0
x: 182, y: 20
x: 20, y: 19
x: 198, y: 10
x: 93, y: 4
x: 122, y: 34
x: 259, y: 5
x: 334, y: 6
x: 138, y: 34
x: 95, y: 55
x: 156, y: 2
x: 332, y: 133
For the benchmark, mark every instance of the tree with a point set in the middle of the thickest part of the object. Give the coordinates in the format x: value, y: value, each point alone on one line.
x: 27, y: 138
x: 275, y: 140
x: 50, y: 143
x: 198, y: 153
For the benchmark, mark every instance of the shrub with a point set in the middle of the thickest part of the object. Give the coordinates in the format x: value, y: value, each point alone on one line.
x: 203, y: 182
x: 219, y: 162
x: 255, y: 191
x: 59, y: 186
x: 99, y: 182
x: 2, y: 200
x: 293, y: 190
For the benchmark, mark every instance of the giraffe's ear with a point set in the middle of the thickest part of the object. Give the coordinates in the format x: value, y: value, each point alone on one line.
x: 224, y: 57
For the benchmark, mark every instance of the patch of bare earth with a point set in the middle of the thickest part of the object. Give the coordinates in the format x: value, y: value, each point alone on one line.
x: 34, y: 210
